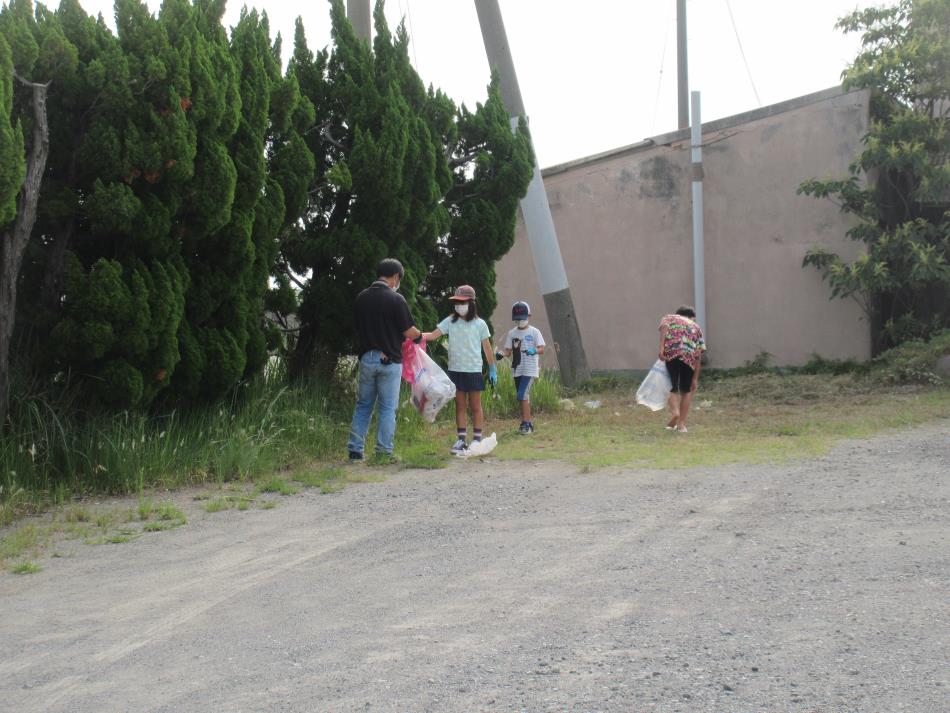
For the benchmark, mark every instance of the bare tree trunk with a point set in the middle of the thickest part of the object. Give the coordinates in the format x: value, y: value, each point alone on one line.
x: 13, y: 244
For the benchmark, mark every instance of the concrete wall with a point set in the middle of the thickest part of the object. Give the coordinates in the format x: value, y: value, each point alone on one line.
x: 624, y: 223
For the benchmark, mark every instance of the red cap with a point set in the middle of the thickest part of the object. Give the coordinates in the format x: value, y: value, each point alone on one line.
x: 464, y: 293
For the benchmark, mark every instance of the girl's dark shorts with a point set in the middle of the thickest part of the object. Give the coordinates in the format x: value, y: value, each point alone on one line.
x: 467, y: 380
x: 681, y: 375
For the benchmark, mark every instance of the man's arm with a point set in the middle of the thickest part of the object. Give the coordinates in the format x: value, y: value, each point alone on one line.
x: 412, y: 333
x: 695, y: 377
x: 663, y: 332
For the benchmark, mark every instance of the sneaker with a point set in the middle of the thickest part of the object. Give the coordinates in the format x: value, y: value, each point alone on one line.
x: 523, y: 428
x: 459, y: 447
x: 355, y: 456
x: 528, y: 427
x: 384, y: 458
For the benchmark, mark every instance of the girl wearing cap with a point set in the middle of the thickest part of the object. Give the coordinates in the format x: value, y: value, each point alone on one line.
x: 469, y: 338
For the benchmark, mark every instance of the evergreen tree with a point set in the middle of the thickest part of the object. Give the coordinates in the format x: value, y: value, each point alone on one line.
x: 493, y: 166
x: 37, y: 47
x: 397, y: 172
x: 899, y: 186
x: 12, y: 160
x: 121, y: 178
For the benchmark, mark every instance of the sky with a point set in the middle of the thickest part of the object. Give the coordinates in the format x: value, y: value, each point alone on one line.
x: 599, y: 74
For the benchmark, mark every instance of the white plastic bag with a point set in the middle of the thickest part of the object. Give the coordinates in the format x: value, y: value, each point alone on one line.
x: 655, y: 389
x: 479, y: 448
x: 431, y: 387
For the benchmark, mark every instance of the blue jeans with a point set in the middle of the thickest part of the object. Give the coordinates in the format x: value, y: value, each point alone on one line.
x: 376, y: 381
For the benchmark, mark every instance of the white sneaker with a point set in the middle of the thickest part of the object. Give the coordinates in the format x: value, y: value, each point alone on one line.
x: 459, y: 447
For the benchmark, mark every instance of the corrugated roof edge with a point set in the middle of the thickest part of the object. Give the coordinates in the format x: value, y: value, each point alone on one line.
x: 717, y: 125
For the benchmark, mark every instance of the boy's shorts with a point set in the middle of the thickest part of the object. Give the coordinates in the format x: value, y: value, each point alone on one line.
x: 523, y: 385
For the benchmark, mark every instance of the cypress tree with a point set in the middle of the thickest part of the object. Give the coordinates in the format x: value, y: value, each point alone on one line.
x: 492, y: 167
x: 122, y: 175
x: 12, y: 160
x: 377, y: 185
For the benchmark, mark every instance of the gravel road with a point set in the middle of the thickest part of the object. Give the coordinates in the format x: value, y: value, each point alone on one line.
x: 816, y: 586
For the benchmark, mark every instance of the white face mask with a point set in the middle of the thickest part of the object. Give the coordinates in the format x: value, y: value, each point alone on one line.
x: 522, y: 324
x: 461, y: 310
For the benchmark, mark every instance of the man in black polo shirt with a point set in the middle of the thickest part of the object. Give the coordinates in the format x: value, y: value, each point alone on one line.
x: 383, y: 321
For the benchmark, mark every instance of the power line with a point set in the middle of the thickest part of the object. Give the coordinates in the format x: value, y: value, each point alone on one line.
x: 659, y: 83
x: 742, y: 52
x: 412, y: 32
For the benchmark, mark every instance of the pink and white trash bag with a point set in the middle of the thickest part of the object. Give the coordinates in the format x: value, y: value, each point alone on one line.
x: 431, y: 387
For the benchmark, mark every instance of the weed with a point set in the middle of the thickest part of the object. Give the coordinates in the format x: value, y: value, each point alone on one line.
x: 123, y: 535
x: 167, y: 511
x: 145, y: 509
x: 26, y: 538
x: 160, y: 525
x: 278, y: 485
x: 217, y: 505
x: 268, y: 505
x: 77, y: 514
x: 26, y: 568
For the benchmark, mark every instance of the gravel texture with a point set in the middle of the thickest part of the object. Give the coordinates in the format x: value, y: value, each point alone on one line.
x: 818, y: 586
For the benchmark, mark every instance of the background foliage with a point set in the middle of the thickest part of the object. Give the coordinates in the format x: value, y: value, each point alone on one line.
x: 899, y: 187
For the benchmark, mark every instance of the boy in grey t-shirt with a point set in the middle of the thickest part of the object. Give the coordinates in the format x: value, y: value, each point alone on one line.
x: 524, y: 344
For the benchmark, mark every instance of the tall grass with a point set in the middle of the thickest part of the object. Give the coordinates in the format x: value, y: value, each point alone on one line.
x: 55, y: 450
x: 502, y: 401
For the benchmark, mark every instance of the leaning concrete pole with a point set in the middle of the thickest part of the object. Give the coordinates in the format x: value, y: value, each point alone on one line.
x: 360, y: 15
x: 536, y: 212
x: 682, y: 65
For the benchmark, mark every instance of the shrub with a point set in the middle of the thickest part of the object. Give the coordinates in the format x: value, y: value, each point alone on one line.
x: 912, y: 362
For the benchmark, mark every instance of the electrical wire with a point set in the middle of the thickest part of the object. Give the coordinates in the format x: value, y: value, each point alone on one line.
x: 412, y: 33
x: 742, y: 52
x: 659, y: 83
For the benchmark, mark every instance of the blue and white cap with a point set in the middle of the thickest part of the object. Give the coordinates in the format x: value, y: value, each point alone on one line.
x: 520, y: 311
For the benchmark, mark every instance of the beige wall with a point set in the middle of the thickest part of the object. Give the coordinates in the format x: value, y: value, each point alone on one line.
x: 624, y: 224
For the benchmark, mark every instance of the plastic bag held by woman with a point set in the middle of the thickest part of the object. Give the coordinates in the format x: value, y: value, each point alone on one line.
x: 655, y: 389
x: 431, y: 387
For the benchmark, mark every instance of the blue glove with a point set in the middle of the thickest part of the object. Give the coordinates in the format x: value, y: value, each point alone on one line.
x: 530, y: 351
x: 493, y: 375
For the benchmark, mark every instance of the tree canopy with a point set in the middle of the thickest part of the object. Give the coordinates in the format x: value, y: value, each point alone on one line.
x: 203, y: 207
x: 898, y: 188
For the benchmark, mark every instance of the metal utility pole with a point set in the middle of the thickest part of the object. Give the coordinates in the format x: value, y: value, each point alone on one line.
x: 682, y: 65
x: 360, y: 15
x: 699, y: 251
x: 536, y: 212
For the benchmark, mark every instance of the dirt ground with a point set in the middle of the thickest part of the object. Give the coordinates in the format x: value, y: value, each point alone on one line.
x: 818, y: 586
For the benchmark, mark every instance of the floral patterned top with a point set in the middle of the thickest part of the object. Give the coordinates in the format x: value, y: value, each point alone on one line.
x: 684, y: 340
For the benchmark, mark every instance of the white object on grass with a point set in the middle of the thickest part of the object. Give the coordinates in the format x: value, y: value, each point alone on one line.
x: 479, y: 448
x: 592, y: 404
x: 655, y: 389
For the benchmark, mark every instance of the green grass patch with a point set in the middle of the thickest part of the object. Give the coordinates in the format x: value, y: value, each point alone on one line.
x: 753, y: 419
x: 161, y: 525
x: 218, y: 504
x: 332, y: 479
x: 29, y: 538
x: 26, y: 568
x: 277, y: 485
